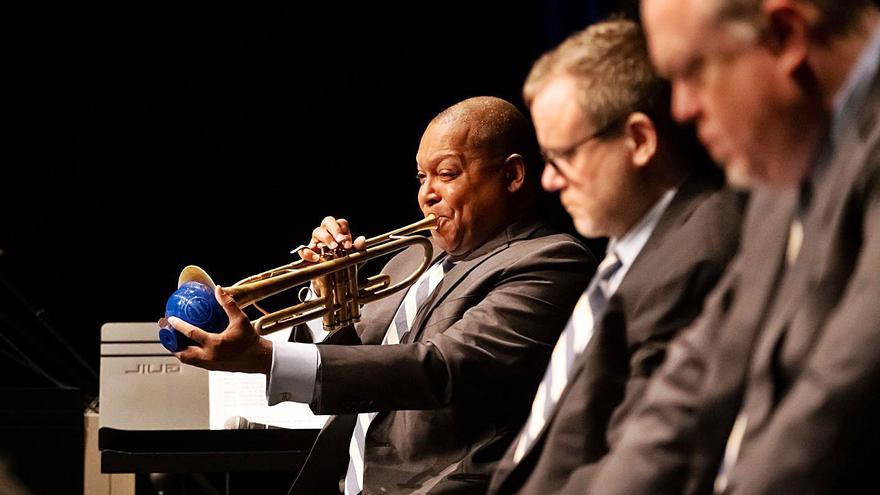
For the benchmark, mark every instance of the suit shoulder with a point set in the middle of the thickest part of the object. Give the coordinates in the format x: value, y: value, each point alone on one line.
x: 539, y: 251
x: 722, y: 204
x: 718, y: 219
x: 548, y: 237
x: 550, y: 245
x: 706, y: 239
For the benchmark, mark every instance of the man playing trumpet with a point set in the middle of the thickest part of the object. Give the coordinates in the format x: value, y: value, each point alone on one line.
x: 435, y: 405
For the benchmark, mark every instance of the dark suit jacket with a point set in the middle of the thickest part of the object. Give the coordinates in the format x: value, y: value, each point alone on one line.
x: 799, y: 343
x: 454, y: 394
x: 813, y: 393
x: 661, y: 293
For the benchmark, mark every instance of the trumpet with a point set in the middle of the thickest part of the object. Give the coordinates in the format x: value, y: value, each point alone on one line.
x: 339, y: 303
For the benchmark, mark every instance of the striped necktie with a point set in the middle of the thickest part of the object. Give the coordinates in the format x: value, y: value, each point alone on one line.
x: 397, y: 330
x: 571, y: 343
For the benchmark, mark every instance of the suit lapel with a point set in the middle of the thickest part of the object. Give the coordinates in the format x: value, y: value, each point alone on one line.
x: 328, y: 458
x: 518, y: 230
x: 698, y: 184
x: 679, y: 210
x: 462, y: 268
x: 767, y: 251
x: 382, y: 312
x: 832, y: 182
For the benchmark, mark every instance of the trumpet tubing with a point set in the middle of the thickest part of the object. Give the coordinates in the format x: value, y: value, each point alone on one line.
x: 342, y: 294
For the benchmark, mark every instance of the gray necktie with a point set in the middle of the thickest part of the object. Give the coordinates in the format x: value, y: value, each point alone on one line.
x: 571, y: 343
x: 397, y: 330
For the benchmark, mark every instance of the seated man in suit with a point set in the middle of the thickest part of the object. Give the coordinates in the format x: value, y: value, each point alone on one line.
x: 625, y: 171
x: 775, y: 390
x: 434, y: 409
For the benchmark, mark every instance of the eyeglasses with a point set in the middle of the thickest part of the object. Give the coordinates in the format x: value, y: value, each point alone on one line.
x: 553, y: 157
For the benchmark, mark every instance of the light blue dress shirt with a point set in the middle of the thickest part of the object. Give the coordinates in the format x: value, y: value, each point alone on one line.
x: 628, y: 247
x: 855, y: 89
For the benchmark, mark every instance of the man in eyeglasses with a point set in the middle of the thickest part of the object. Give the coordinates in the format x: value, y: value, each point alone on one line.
x: 623, y: 170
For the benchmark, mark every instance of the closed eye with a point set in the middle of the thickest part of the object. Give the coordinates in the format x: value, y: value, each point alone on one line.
x: 693, y: 69
x: 447, y: 174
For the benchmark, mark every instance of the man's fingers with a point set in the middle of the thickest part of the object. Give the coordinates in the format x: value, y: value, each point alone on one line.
x: 195, y: 333
x: 338, y: 228
x: 322, y: 235
x: 360, y: 242
x: 228, y: 303
x: 191, y: 355
x: 309, y: 252
x: 335, y: 228
x: 344, y: 235
x: 309, y: 255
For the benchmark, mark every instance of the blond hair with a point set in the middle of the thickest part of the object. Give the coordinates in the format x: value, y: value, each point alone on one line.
x: 610, y: 64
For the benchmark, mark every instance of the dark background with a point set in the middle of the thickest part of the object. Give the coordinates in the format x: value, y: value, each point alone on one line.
x: 148, y: 136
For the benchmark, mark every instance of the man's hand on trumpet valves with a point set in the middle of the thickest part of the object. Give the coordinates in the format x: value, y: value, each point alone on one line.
x: 237, y: 348
x: 331, y: 234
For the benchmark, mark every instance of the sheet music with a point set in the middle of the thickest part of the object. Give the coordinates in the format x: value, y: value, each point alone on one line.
x: 244, y: 394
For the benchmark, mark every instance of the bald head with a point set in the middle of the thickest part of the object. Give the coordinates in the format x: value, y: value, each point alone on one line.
x: 493, y: 127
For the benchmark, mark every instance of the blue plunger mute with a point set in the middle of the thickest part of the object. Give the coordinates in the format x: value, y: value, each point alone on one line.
x: 194, y: 303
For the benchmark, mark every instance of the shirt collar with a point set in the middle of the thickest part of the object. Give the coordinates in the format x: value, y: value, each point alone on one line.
x: 628, y: 247
x: 855, y: 89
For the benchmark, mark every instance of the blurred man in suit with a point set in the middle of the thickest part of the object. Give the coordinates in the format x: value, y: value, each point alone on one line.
x: 775, y: 390
x: 433, y: 408
x: 624, y: 170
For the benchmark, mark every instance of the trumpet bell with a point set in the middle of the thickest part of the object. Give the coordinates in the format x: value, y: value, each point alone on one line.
x: 193, y: 273
x: 194, y: 303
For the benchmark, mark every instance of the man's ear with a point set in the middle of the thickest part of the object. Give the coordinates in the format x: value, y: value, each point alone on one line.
x: 788, y: 31
x: 514, y: 172
x: 641, y: 138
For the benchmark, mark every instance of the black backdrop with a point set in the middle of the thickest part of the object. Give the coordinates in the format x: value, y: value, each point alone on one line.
x: 149, y: 136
